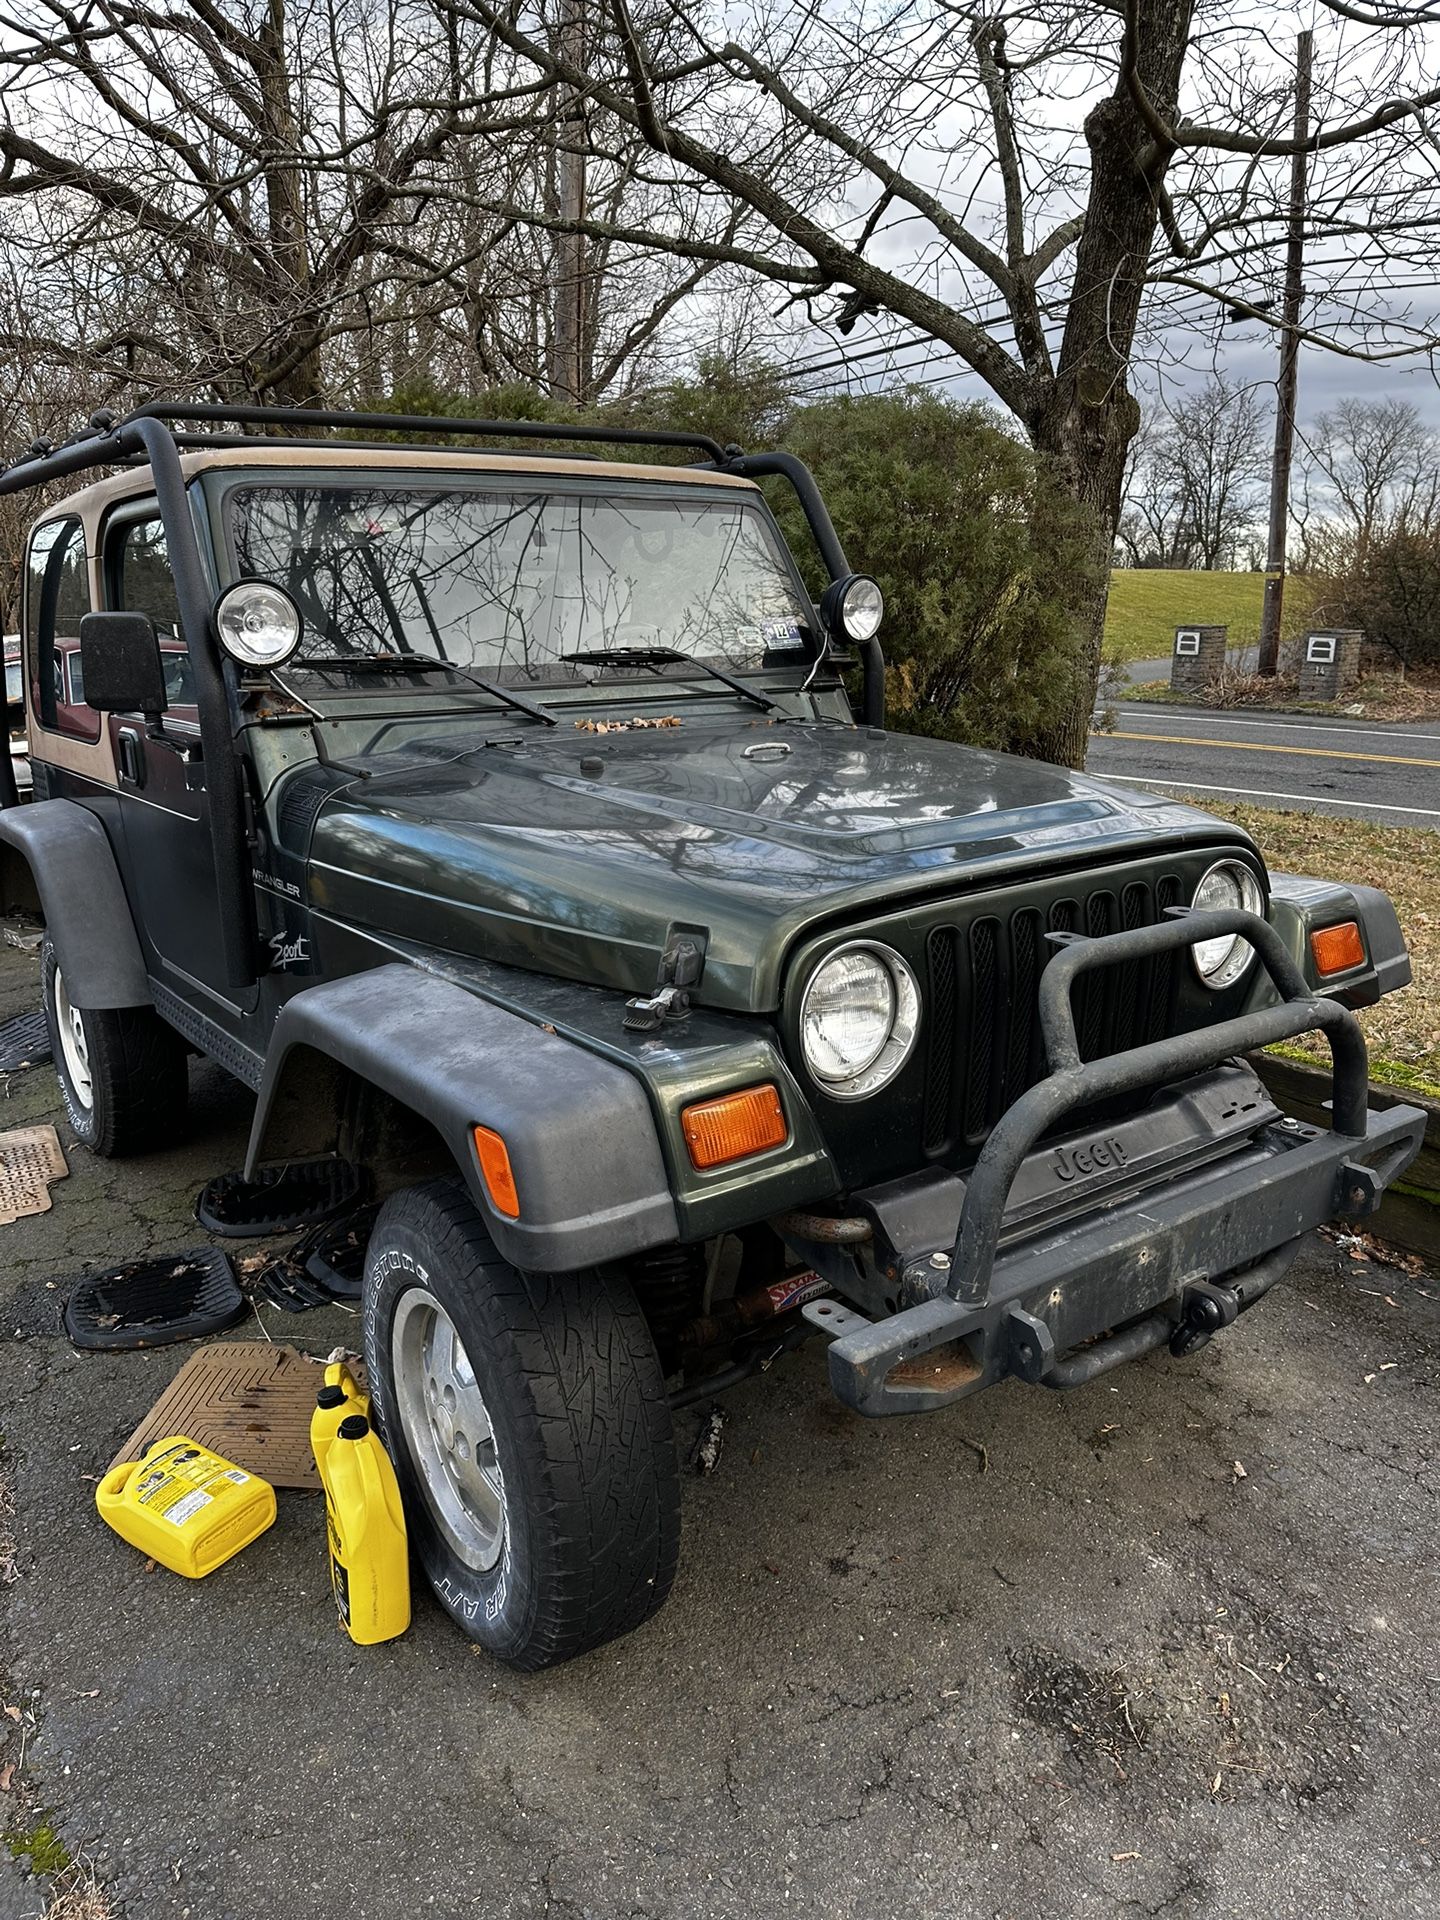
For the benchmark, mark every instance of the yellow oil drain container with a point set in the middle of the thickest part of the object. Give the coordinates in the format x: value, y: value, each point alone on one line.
x: 189, y: 1509
x: 365, y: 1524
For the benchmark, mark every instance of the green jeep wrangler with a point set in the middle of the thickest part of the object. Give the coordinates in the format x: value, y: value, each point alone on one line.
x: 502, y: 820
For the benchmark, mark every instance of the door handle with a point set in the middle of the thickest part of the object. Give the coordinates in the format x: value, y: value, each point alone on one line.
x: 132, y: 756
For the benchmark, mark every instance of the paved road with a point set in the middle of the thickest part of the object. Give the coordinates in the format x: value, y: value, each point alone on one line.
x: 1385, y: 773
x: 1048, y: 1654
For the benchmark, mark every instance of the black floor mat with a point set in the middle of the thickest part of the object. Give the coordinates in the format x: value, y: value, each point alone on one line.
x: 280, y: 1283
x: 24, y: 1042
x: 153, y: 1303
x: 295, y: 1194
x: 334, y: 1252
x: 326, y: 1263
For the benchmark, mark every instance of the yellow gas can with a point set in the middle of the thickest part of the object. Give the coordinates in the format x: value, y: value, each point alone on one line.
x: 188, y: 1508
x: 365, y: 1522
x: 338, y: 1398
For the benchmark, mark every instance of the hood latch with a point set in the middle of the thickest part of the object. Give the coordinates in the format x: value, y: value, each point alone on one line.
x: 681, y: 965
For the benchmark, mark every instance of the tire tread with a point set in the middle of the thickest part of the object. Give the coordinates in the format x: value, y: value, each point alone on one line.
x: 140, y: 1074
x: 604, y: 1513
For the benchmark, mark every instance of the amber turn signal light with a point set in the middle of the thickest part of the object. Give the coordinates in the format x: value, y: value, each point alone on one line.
x: 496, y: 1172
x: 1336, y: 949
x: 734, y: 1126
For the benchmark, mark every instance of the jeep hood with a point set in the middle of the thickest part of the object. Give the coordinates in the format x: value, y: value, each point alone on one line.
x: 575, y: 853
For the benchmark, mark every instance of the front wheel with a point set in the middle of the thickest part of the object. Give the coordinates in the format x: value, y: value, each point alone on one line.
x: 123, y: 1073
x: 528, y: 1421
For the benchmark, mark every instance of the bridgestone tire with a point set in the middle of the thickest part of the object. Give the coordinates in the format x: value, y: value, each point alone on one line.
x: 139, y: 1072
x: 580, y: 1425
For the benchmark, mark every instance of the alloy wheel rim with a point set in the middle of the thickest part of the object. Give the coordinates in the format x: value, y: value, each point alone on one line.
x: 74, y: 1048
x: 448, y: 1430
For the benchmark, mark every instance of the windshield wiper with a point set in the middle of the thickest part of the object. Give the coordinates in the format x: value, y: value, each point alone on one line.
x: 661, y: 656
x: 426, y: 663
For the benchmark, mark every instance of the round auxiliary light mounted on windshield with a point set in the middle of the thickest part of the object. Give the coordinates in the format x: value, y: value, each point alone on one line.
x: 258, y: 623
x: 853, y: 607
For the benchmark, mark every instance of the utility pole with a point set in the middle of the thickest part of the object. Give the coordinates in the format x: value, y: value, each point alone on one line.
x: 1273, y: 604
x: 567, y: 335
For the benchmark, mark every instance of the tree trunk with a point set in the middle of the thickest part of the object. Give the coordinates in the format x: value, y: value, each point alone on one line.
x: 568, y: 293
x: 1085, y: 417
x: 293, y: 377
x: 1085, y: 447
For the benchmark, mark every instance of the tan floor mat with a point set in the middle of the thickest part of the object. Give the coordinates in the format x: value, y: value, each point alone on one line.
x: 30, y: 1158
x: 247, y: 1399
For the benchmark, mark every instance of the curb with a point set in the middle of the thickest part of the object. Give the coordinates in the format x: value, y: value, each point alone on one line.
x: 1256, y: 711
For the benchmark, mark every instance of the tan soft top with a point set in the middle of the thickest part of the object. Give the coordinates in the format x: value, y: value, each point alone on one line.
x: 92, y: 502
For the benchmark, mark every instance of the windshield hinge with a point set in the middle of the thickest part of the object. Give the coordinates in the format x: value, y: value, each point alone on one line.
x: 681, y: 964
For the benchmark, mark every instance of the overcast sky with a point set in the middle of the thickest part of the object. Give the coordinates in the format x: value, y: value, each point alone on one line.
x: 1373, y: 257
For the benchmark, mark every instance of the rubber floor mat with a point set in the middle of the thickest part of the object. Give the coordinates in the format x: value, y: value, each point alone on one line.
x: 333, y: 1254
x: 24, y: 1042
x: 248, y: 1400
x: 278, y: 1281
x: 294, y: 1194
x: 154, y: 1303
x: 30, y: 1158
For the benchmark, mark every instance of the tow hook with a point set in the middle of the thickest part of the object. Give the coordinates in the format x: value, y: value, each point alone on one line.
x: 1204, y: 1310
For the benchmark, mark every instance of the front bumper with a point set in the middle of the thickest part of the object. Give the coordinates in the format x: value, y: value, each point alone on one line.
x: 1062, y: 1307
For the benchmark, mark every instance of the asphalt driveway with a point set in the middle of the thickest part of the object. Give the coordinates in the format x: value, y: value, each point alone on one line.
x: 1166, y: 1646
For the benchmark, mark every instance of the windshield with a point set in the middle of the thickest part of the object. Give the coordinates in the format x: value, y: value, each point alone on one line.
x: 512, y: 582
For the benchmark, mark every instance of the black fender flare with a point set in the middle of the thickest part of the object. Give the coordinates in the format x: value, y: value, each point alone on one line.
x: 83, y: 901
x: 587, y: 1161
x: 1297, y: 904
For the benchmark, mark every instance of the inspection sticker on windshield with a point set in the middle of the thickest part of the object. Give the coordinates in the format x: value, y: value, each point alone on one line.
x: 781, y: 633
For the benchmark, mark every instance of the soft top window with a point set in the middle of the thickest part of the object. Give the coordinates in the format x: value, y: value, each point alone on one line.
x: 512, y: 582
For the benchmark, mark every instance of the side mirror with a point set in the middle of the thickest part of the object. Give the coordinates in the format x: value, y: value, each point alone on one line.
x: 121, y: 664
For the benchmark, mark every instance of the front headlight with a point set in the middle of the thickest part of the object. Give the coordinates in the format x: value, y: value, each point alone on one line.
x: 859, y: 1019
x: 1221, y: 962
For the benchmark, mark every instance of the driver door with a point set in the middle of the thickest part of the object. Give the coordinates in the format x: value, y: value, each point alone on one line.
x: 163, y: 806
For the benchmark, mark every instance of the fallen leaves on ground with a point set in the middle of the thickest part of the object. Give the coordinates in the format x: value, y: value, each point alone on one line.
x: 1365, y: 1248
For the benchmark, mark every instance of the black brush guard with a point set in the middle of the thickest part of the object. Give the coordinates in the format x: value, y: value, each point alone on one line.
x: 1117, y: 1283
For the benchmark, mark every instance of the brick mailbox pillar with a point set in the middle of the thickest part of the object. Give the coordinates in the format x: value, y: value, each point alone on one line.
x: 1198, y: 657
x: 1329, y: 663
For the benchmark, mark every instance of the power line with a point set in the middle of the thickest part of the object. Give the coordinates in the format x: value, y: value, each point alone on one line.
x: 1187, y: 299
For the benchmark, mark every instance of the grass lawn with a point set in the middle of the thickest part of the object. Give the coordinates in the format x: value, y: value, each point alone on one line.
x: 1146, y: 605
x: 1403, y: 1031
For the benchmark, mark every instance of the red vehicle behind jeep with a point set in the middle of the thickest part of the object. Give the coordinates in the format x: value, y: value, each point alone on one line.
x: 71, y: 712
